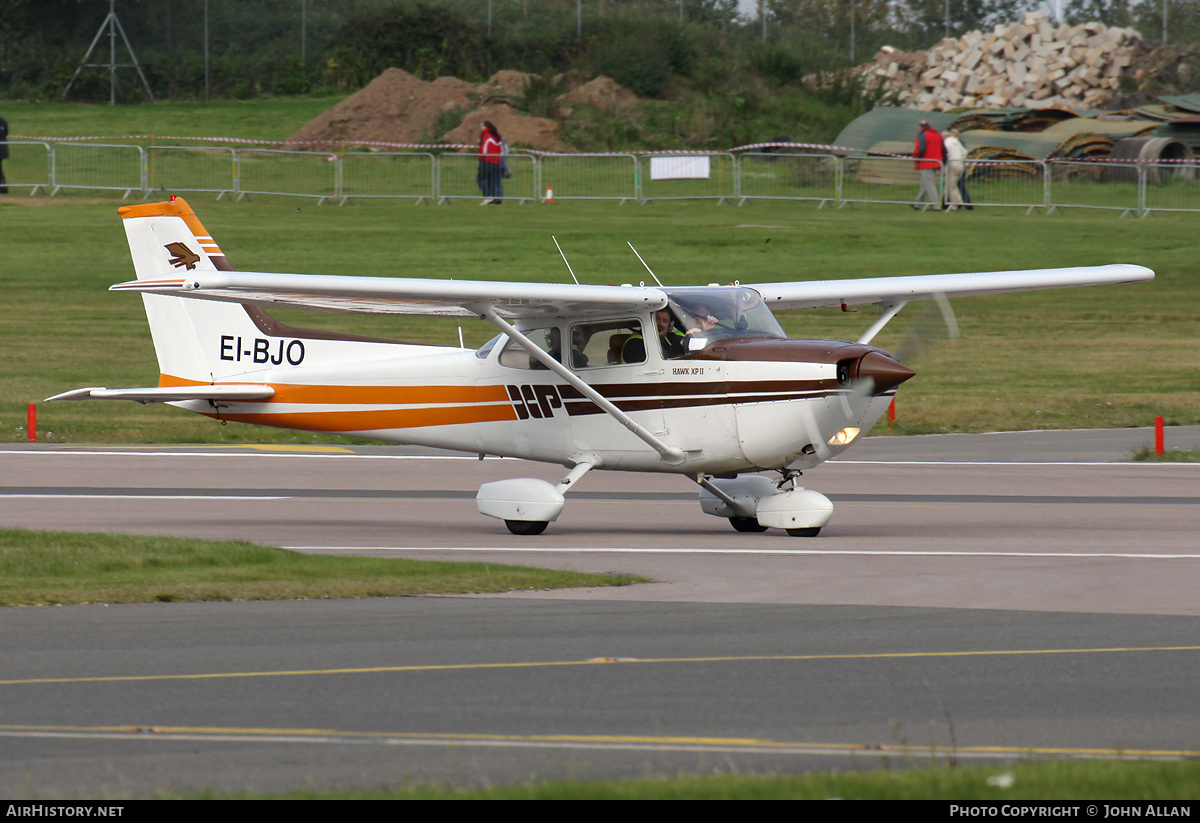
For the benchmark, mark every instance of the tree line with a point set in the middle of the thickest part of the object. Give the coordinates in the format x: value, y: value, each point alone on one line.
x: 250, y: 48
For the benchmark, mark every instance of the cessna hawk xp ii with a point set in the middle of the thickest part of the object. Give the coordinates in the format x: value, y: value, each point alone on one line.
x: 694, y: 381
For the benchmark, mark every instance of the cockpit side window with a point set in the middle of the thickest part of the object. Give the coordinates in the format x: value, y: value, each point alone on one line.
x: 486, y: 349
x: 606, y: 343
x: 548, y: 339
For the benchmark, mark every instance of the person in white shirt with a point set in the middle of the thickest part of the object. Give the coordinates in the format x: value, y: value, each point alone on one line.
x: 956, y: 155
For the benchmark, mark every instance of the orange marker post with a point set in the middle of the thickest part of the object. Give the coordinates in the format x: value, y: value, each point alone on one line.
x: 31, y: 423
x: 1158, y: 436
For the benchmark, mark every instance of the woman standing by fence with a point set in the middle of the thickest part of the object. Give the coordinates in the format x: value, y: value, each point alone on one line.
x: 491, y: 159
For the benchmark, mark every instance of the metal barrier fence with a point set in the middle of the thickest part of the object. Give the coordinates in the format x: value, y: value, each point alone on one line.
x: 688, y: 177
x: 590, y: 177
x: 1095, y: 185
x: 1005, y: 183
x: 1171, y: 187
x: 28, y: 166
x: 883, y: 180
x: 98, y: 166
x: 458, y: 178
x: 1128, y: 187
x: 190, y: 168
x: 388, y: 174
x: 775, y: 176
x: 292, y: 173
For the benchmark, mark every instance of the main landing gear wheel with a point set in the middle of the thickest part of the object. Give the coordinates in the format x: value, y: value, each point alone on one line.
x: 746, y: 524
x: 527, y: 527
x: 804, y: 532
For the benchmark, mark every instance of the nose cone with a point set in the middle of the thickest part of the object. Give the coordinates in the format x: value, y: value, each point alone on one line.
x: 883, y: 370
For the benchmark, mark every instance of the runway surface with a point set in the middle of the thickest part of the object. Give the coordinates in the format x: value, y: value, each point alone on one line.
x: 975, y: 595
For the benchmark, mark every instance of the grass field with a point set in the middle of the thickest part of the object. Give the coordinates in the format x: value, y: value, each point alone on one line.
x: 1065, y: 780
x: 60, y: 568
x: 1098, y: 357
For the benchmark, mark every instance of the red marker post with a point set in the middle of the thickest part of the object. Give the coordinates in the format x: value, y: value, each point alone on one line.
x: 31, y: 423
x: 1158, y: 436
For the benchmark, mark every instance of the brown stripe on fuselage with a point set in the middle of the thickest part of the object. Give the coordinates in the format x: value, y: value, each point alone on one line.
x: 374, y: 419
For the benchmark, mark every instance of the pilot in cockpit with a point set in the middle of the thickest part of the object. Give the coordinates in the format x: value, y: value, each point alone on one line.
x: 670, y: 339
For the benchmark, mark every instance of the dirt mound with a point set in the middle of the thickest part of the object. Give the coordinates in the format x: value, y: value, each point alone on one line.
x: 602, y: 93
x: 395, y: 107
x: 512, y: 83
x: 516, y: 128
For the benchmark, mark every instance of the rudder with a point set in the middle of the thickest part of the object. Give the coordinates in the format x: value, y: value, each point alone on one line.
x: 167, y: 240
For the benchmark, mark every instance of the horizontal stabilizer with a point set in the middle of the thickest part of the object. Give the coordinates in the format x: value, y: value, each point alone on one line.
x: 170, y: 394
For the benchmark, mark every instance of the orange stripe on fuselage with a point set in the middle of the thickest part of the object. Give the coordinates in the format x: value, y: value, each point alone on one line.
x: 498, y: 406
x: 364, y: 395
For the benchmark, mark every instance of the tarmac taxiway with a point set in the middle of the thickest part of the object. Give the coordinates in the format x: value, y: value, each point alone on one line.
x: 975, y: 595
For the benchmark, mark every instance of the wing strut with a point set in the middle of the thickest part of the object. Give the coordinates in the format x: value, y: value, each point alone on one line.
x: 671, y: 456
x: 876, y: 327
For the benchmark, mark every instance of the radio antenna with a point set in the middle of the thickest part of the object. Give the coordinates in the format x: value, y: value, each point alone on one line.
x: 564, y: 257
x: 639, y: 257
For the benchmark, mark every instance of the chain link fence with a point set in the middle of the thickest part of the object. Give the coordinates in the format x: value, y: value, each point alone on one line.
x: 1128, y: 187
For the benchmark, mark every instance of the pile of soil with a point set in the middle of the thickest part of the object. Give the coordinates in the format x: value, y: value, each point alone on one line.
x: 516, y: 128
x: 397, y: 107
x: 602, y: 93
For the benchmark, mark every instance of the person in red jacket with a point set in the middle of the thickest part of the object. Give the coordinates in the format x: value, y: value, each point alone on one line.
x: 928, y: 156
x: 491, y: 160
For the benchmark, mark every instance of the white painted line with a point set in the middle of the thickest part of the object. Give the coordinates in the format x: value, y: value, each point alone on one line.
x: 138, y: 497
x: 1114, y: 464
x: 490, y: 458
x: 746, y: 552
x: 258, y: 454
x: 461, y: 741
x: 474, y: 458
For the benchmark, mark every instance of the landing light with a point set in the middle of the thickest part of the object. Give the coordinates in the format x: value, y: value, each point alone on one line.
x: 845, y: 437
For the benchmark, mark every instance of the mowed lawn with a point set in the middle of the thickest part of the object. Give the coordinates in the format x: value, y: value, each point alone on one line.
x: 1097, y: 357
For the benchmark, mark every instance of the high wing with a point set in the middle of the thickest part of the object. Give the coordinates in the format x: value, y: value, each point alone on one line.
x: 469, y: 298
x: 395, y: 295
x: 890, y: 290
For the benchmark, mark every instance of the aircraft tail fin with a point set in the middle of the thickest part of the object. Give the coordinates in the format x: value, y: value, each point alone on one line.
x: 167, y: 240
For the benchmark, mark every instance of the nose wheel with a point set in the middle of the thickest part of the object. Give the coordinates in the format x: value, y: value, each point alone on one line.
x: 803, y: 532
x: 527, y: 528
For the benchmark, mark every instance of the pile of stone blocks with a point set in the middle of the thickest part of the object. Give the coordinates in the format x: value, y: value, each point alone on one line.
x: 1032, y: 63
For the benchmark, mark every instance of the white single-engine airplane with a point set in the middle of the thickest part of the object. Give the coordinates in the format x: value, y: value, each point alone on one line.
x: 697, y: 381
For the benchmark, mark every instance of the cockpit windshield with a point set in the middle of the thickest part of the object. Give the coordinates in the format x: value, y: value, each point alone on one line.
x: 714, y: 312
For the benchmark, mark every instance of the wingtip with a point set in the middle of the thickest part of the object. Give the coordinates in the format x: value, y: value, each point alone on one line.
x: 75, y: 394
